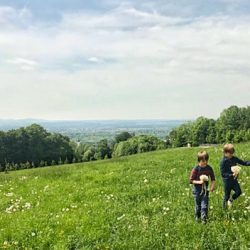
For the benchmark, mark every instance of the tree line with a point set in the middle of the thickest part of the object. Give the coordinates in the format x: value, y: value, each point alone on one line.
x: 33, y: 146
x: 233, y: 125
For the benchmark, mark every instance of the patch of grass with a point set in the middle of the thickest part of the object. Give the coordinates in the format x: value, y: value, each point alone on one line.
x: 138, y: 202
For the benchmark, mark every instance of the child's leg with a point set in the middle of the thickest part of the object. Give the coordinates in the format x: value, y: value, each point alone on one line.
x: 227, y: 191
x: 204, y: 206
x: 197, y: 199
x: 236, y: 188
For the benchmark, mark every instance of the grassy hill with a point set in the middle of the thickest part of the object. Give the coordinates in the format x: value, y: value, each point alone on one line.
x: 138, y: 202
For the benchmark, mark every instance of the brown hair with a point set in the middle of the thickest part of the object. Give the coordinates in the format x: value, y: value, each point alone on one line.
x: 228, y: 148
x: 202, y: 156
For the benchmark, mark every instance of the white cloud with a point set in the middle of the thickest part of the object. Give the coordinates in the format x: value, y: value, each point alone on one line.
x: 125, y: 63
x: 23, y: 63
x: 95, y: 59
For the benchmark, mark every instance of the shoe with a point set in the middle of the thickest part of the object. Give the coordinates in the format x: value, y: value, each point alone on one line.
x: 198, y: 219
x: 204, y: 222
x: 229, y: 203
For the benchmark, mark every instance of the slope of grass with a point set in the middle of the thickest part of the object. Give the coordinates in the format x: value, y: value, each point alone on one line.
x: 138, y: 202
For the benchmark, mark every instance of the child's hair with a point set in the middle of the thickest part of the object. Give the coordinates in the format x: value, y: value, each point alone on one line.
x: 202, y: 156
x: 228, y: 148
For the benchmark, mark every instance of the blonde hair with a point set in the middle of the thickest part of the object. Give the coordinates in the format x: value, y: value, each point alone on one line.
x: 228, y: 148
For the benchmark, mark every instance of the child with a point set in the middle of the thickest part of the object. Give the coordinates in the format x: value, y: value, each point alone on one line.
x: 200, y: 187
x: 230, y: 178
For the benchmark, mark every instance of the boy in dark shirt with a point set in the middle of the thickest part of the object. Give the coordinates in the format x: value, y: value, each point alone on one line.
x: 230, y: 178
x: 200, y: 187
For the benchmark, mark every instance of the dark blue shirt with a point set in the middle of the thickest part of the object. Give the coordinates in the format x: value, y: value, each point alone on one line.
x: 227, y: 163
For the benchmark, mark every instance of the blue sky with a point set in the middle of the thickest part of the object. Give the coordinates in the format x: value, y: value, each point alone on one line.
x: 112, y: 59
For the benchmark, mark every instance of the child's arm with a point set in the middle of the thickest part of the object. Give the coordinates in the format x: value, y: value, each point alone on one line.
x: 197, y: 182
x: 243, y: 163
x: 212, y: 177
x: 193, y: 177
x: 212, y: 188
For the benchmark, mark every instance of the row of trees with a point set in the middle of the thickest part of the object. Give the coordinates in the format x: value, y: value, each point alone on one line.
x: 33, y: 146
x: 233, y: 125
x: 124, y: 144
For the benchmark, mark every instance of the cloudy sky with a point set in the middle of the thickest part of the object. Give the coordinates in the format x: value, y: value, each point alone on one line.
x: 115, y: 59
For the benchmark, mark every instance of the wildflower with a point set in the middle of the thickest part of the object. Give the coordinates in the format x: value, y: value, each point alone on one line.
x: 145, y: 180
x: 236, y: 169
x: 33, y: 234
x: 27, y: 205
x: 9, y: 194
x: 121, y: 217
x: 204, y: 178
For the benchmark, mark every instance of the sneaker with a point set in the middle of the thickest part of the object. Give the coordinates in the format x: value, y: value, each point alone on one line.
x: 229, y: 203
x: 204, y: 221
x: 198, y: 219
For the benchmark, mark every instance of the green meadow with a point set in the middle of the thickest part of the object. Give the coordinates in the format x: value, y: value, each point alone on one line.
x: 142, y: 201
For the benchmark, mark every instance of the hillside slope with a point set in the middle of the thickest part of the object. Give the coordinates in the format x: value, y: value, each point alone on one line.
x: 138, y: 202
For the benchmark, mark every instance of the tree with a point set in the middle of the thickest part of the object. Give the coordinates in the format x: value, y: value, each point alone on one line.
x: 123, y: 136
x: 203, y: 131
x: 103, y: 150
x: 35, y: 145
x: 182, y: 135
x: 89, y: 154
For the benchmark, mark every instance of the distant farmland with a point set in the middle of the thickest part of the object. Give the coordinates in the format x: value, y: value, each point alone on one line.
x: 94, y: 131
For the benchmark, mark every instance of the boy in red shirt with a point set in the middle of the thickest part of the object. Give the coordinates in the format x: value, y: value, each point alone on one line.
x: 200, y: 185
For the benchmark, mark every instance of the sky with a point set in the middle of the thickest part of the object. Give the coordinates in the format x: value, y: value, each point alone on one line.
x: 115, y: 59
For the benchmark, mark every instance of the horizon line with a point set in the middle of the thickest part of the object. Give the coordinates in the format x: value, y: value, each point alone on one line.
x: 83, y: 120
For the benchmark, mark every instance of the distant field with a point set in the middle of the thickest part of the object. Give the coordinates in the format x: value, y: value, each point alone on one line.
x: 138, y: 202
x: 94, y: 131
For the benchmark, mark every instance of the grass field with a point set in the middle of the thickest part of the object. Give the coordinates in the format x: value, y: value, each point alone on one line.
x: 138, y: 202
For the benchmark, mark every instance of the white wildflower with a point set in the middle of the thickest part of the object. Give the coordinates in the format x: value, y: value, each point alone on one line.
x: 9, y: 194
x: 204, y: 178
x: 236, y: 169
x: 121, y: 217
x: 27, y: 205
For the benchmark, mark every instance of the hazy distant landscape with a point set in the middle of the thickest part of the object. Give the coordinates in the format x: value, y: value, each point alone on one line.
x: 96, y: 130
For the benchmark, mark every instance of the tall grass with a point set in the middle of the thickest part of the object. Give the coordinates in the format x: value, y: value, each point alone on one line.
x: 138, y: 202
